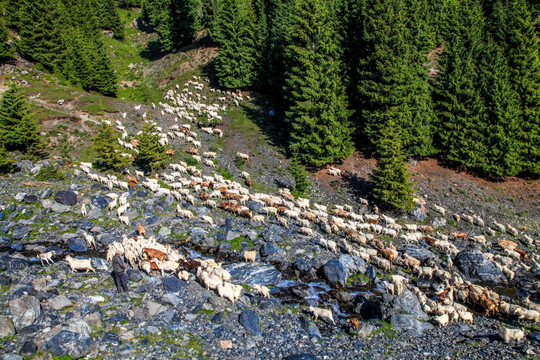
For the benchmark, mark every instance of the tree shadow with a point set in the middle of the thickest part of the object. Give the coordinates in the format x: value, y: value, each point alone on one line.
x: 153, y: 51
x: 359, y: 187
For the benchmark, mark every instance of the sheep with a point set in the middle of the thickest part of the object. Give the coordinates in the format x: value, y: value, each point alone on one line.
x: 306, y: 231
x: 84, y: 212
x: 423, y: 271
x: 509, y: 335
x: 263, y: 290
x: 242, y: 156
x: 183, y: 275
x: 211, y: 282
x: 323, y: 313
x: 250, y: 255
x: 124, y: 220
x: 399, y: 281
x: 226, y: 291
x: 259, y: 218
x: 481, y: 239
x: 439, y: 209
x: 442, y: 320
x: 90, y: 241
x: 465, y: 316
x: 167, y: 266
x: 527, y: 314
x: 47, y: 257
x: 79, y: 264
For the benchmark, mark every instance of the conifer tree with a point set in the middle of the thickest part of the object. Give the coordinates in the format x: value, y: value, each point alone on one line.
x: 158, y: 14
x: 6, y: 164
x: 18, y: 130
x: 186, y: 21
x: 12, y: 14
x: 392, y: 78
x: 108, y: 151
x: 107, y: 17
x: 391, y: 178
x: 151, y: 153
x: 6, y: 52
x: 236, y: 61
x: 210, y: 16
x: 318, y: 113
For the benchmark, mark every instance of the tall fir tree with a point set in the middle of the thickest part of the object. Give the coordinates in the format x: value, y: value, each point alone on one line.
x: 392, y: 78
x: 459, y: 103
x: 158, y: 14
x: 391, y: 177
x: 18, y: 130
x: 6, y: 51
x: 108, y: 151
x: 6, y: 163
x: 151, y: 153
x: 186, y: 17
x: 236, y: 63
x: 107, y: 16
x: 318, y: 111
x: 210, y: 10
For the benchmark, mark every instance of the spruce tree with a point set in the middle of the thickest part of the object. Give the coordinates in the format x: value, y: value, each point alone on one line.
x: 392, y: 79
x: 6, y: 51
x: 151, y: 153
x: 107, y: 17
x: 186, y: 21
x: 158, y: 14
x: 6, y: 164
x: 18, y: 130
x: 237, y: 59
x: 108, y: 151
x: 392, y: 186
x: 318, y: 113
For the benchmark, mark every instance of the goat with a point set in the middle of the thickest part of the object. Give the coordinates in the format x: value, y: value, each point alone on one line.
x: 46, y: 256
x: 323, y: 313
x: 250, y: 255
x: 79, y: 264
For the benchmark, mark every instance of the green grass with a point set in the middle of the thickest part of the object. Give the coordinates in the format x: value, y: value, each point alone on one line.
x: 49, y: 172
x: 225, y: 173
x: 386, y: 329
x: 356, y: 277
x: 236, y: 243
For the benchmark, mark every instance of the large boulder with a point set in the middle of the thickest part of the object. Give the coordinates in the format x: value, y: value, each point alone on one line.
x: 60, y: 302
x: 270, y: 248
x: 66, y: 197
x: 409, y: 323
x: 172, y: 284
x: 418, y: 252
x: 13, y: 263
x: 475, y: 266
x: 21, y: 231
x: 24, y: 310
x: 335, y: 273
x: 406, y: 303
x: 79, y: 326
x: 250, y: 321
x: 98, y: 202
x: 77, y: 245
x: 70, y: 343
x: 251, y: 274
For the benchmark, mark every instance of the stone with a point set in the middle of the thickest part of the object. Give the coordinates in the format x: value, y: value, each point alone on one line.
x: 197, y: 235
x: 28, y: 349
x: 66, y: 197
x: 418, y: 252
x: 111, y: 338
x: 335, y: 273
x: 302, y: 265
x: 366, y: 309
x: 106, y: 238
x: 95, y: 213
x: 30, y: 198
x: 250, y: 321
x: 224, y: 247
x: 438, y: 222
x: 171, y: 299
x: 98, y: 202
x: 19, y: 196
x: 365, y: 329
x: 47, y: 203
x: 77, y: 245
x: 252, y: 274
x: 173, y: 284
x: 30, y: 329
x: 24, y: 310
x: 100, y: 264
x: 70, y: 343
x: 45, y: 193
x: 21, y: 232
x: 6, y: 327
x: 475, y: 266
x: 409, y: 323
x: 60, y: 302
x: 13, y: 263
x: 164, y: 231
x: 406, y: 303
x: 59, y: 208
x: 301, y: 357
x: 134, y: 275
x: 231, y: 235
x: 353, y: 264
x: 23, y: 165
x: 419, y: 213
x: 226, y: 344
x: 12, y: 357
x: 79, y: 326
x: 371, y: 272
x: 270, y: 248
x: 155, y: 308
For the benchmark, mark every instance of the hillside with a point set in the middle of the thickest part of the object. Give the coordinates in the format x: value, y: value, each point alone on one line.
x: 388, y: 278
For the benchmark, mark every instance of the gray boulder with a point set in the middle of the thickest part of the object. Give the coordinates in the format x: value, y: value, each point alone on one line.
x: 66, y: 197
x: 335, y: 273
x: 475, y: 266
x: 60, y: 302
x: 79, y: 326
x: 251, y: 274
x: 409, y: 323
x: 418, y: 252
x: 6, y: 327
x: 197, y: 235
x: 406, y: 303
x: 21, y: 231
x: 78, y: 245
x: 70, y: 343
x: 250, y: 321
x: 24, y: 311
x: 419, y: 213
x: 59, y: 208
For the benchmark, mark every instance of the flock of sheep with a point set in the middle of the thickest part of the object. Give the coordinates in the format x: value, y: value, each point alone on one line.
x: 354, y: 231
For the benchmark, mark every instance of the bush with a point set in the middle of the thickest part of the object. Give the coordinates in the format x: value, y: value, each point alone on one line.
x: 49, y: 172
x: 300, y: 177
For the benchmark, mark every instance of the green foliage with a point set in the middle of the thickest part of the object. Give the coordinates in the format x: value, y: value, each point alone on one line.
x: 5, y: 162
x: 107, y: 16
x: 300, y: 177
x: 108, y: 151
x: 18, y: 130
x: 49, y: 172
x: 6, y: 51
x: 318, y: 113
x: 236, y: 61
x: 151, y: 153
x: 392, y: 185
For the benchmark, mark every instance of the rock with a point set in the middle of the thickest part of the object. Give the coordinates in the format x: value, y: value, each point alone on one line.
x: 250, y: 321
x: 418, y: 252
x: 28, y: 349
x: 270, y: 248
x: 95, y: 213
x: 60, y: 302
x: 409, y: 323
x: 24, y: 310
x: 302, y: 265
x: 209, y: 242
x: 335, y: 273
x: 100, y: 264
x: 164, y: 231
x: 106, y: 238
x: 77, y: 245
x: 66, y: 197
x: 98, y: 202
x: 226, y: 344
x: 79, y: 326
x: 224, y: 248
x: 30, y: 329
x: 19, y: 196
x: 251, y: 274
x: 365, y: 329
x: 353, y: 264
x: 265, y: 303
x: 21, y: 232
x: 59, y: 208
x: 45, y: 193
x: 371, y: 272
x: 155, y: 308
x: 366, y: 309
x: 174, y: 284
x: 197, y: 235
x: 112, y: 338
x: 13, y: 263
x: 70, y: 343
x: 438, y: 222
x: 23, y: 165
x: 30, y: 198
x: 406, y: 303
x: 12, y: 357
x: 231, y: 235
x: 475, y: 266
x: 171, y: 299
x: 301, y: 357
x: 134, y: 275
x: 419, y: 213
x: 6, y: 327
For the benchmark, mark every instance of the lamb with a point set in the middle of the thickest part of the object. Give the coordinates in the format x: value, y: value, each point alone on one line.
x: 509, y: 335
x: 466, y: 316
x: 250, y: 255
x: 334, y: 172
x: 263, y: 290
x: 124, y: 220
x: 183, y: 275
x: 208, y: 220
x: 242, y: 156
x: 481, y: 239
x: 440, y: 210
x: 211, y: 282
x: 259, y: 218
x: 323, y: 313
x: 423, y: 271
x: 306, y: 231
x: 46, y: 256
x: 526, y: 314
x: 442, y: 320
x: 79, y: 264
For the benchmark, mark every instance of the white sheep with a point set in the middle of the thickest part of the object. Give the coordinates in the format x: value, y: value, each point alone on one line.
x: 250, y: 255
x: 323, y: 313
x: 263, y: 290
x: 124, y: 219
x: 442, y: 320
x: 90, y: 241
x: 46, y: 256
x: 242, y: 156
x: 84, y: 212
x: 509, y: 335
x: 79, y: 264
